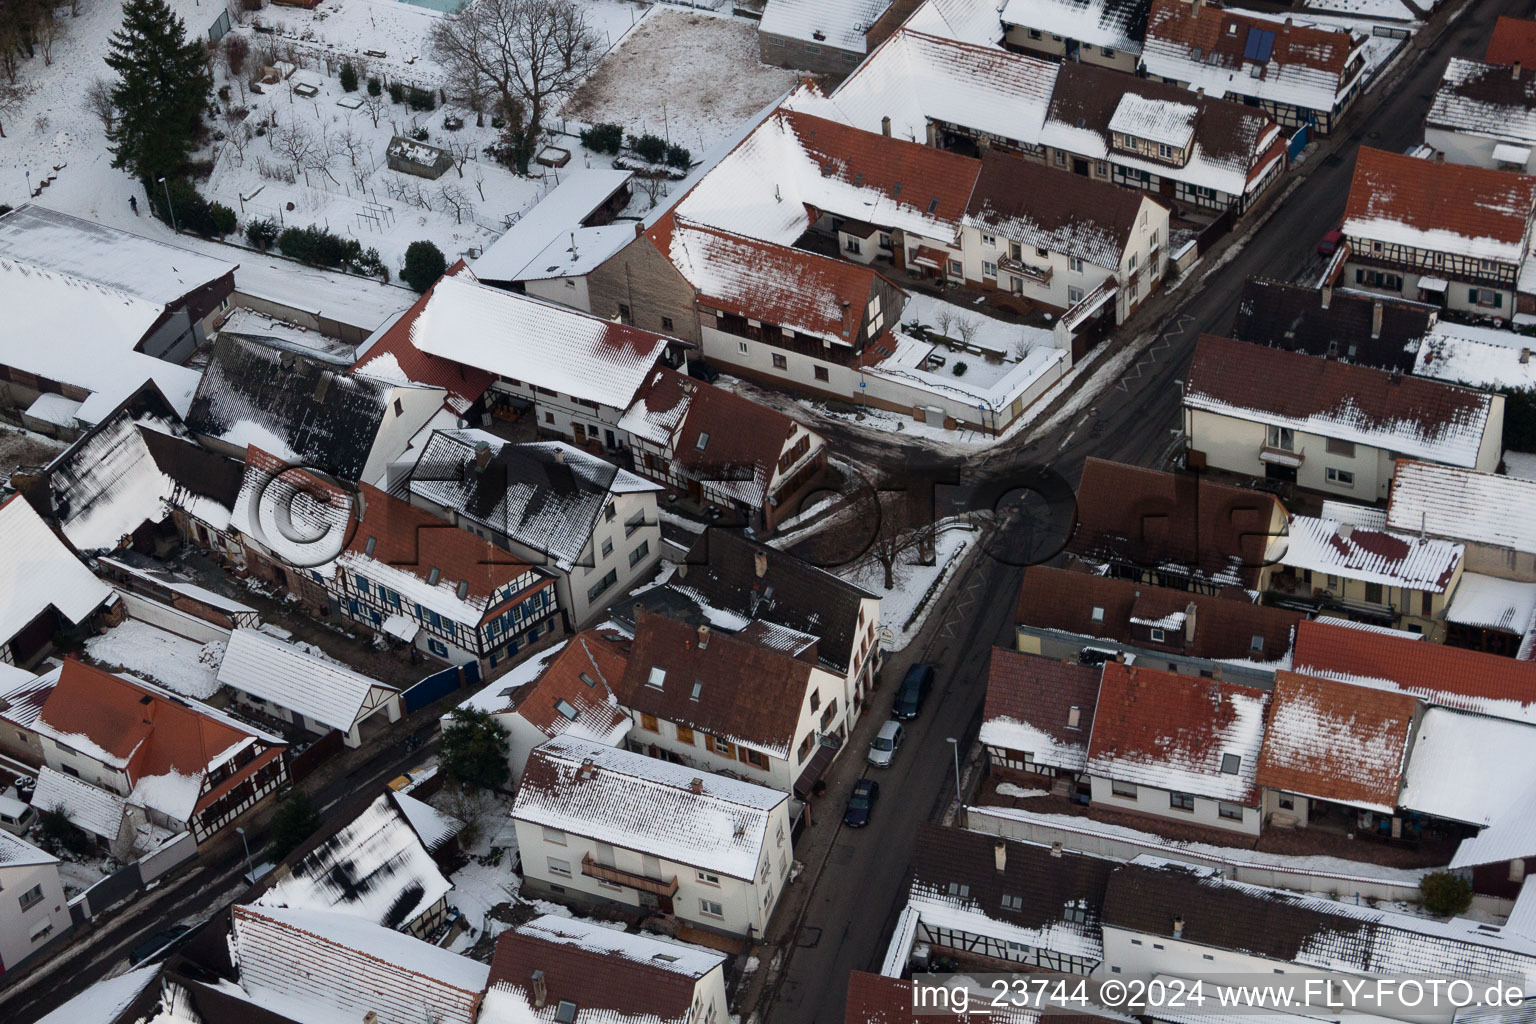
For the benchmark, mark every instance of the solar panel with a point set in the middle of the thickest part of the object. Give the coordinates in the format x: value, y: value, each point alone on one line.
x: 1259, y: 45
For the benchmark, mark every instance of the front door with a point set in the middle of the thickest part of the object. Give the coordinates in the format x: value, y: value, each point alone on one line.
x: 612, y: 442
x: 1080, y: 167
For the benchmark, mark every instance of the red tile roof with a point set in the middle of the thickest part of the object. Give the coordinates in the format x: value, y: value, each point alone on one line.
x: 1205, y: 26
x: 1449, y: 676
x: 468, y: 383
x: 1513, y: 41
x: 1472, y: 202
x: 1040, y: 693
x: 1335, y: 741
x: 593, y: 654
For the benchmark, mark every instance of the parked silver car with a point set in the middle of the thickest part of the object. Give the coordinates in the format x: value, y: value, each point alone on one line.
x: 883, y: 748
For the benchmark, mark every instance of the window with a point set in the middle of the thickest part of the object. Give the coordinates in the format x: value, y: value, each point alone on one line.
x: 721, y: 747
x: 565, y: 708
x: 956, y: 269
x: 1077, y: 913
x: 609, y: 579
x: 638, y: 555
x: 1517, y: 870
x: 1034, y: 33
x: 549, y: 417
x: 1344, y: 448
x: 685, y: 735
x: 707, y: 877
x: 1123, y: 789
x: 1011, y: 902
x: 1485, y: 297
x: 806, y: 746
x: 559, y: 867
x: 1287, y: 803
x: 1256, y: 644
x: 1158, y: 636
x: 666, y: 323
x: 1100, y: 168
x: 1061, y: 158
x: 988, y: 269
x: 711, y: 908
x: 779, y: 362
x: 1074, y: 294
x: 1231, y: 812
x: 1098, y: 613
x: 1074, y: 717
x: 755, y: 759
x: 741, y: 347
x: 607, y: 548
x: 437, y: 647
x: 1373, y: 593
x: 610, y: 513
x: 1165, y: 151
x: 657, y: 678
x: 1231, y: 763
x: 648, y: 722
x: 959, y: 890
x: 624, y: 314
x: 1280, y: 437
x: 1076, y: 264
x: 362, y: 585
x: 554, y: 835
x: 821, y: 373
x: 1181, y: 801
x: 1108, y: 51
x: 1342, y: 477
x: 31, y: 898
x: 852, y: 246
x: 812, y: 48
x: 885, y: 239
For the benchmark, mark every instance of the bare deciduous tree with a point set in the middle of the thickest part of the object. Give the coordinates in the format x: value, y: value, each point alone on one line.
x: 238, y: 138
x: 48, y: 30
x: 374, y: 107
x: 523, y: 52
x: 456, y: 199
x: 12, y: 95
x: 293, y: 141
x: 943, y: 320
x: 966, y: 327
x: 237, y: 49
x: 480, y: 182
x: 348, y: 141
x: 98, y: 97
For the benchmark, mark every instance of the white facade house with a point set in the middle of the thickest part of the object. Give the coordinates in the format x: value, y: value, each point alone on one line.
x: 599, y: 824
x: 1484, y: 511
x: 33, y: 910
x: 1484, y: 115
x: 1103, y: 32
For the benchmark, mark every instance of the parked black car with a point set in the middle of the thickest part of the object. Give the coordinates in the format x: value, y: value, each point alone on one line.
x: 913, y: 692
x: 861, y: 802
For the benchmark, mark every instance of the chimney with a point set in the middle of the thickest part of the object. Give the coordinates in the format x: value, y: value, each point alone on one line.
x: 1525, y: 356
x: 559, y: 456
x: 760, y: 563
x: 1346, y: 530
x: 482, y: 454
x: 322, y: 386
x: 703, y: 637
x: 1287, y: 29
x: 1178, y: 927
x: 1056, y: 850
x: 1376, y: 311
x: 362, y: 504
x: 637, y: 609
x: 1189, y: 622
x: 540, y: 992
x: 1000, y: 855
x: 587, y: 769
x: 696, y: 785
x: 885, y: 126
x: 1514, y: 72
x: 1327, y: 295
x: 1396, y: 376
x: 371, y: 1017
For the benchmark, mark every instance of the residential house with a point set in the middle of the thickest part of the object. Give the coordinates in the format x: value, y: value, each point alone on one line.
x: 591, y: 971
x: 396, y: 570
x: 1487, y: 613
x: 1498, y: 855
x: 589, y: 524
x: 351, y: 426
x: 1456, y: 768
x: 1326, y: 425
x: 1513, y: 41
x: 149, y: 588
x: 1164, y: 919
x: 1087, y: 617
x: 1476, y: 356
x: 317, y: 694
x: 43, y: 586
x: 742, y: 704
x: 1180, y: 530
x: 1037, y: 717
x: 1334, y: 323
x: 722, y: 450
x: 34, y: 911
x: 1334, y: 754
x: 998, y: 904
x: 1347, y: 561
x: 1200, y: 151
x: 598, y: 824
x: 377, y: 867
x: 576, y: 372
x: 549, y: 250
x: 1103, y: 33
x: 1484, y: 115
x: 22, y: 695
x: 1478, y: 509
x: 1447, y: 234
x: 314, y: 963
x: 733, y: 584
x: 567, y: 688
x: 1177, y: 747
x: 1055, y: 238
x: 121, y: 309
x: 826, y: 37
x: 187, y: 765
x: 1299, y: 73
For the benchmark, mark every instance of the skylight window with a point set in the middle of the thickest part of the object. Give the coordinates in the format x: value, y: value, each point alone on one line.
x: 433, y: 576
x: 657, y: 678
x: 565, y: 708
x: 1256, y: 644
x: 463, y: 589
x: 702, y: 441
x: 1230, y: 763
x: 586, y: 679
x: 1098, y: 614
x: 664, y: 957
x: 698, y: 688
x: 368, y: 547
x: 565, y: 1013
x: 933, y: 204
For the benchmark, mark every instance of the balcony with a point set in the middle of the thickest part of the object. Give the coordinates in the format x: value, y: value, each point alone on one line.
x: 1041, y: 275
x: 630, y: 879
x: 1281, y: 456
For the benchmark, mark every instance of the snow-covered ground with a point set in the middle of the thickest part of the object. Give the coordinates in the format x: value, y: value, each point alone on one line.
x: 143, y: 650
x: 1387, y: 10
x: 913, y: 582
x: 690, y: 76
x: 987, y: 331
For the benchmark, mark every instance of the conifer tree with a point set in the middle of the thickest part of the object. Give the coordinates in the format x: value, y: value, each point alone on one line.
x: 162, y: 88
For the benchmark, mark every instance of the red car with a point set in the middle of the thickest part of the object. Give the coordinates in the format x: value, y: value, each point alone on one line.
x: 1330, y: 243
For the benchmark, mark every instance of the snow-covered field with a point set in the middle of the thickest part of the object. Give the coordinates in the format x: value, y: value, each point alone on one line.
x: 690, y: 76
x: 913, y: 582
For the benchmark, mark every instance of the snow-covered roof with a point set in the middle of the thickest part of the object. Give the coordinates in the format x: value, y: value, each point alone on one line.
x: 432, y: 826
x: 1117, y: 24
x: 1029, y: 708
x: 376, y: 868
x: 539, y: 343
x: 538, y: 245
x: 1408, y: 416
x: 654, y: 952
x: 320, y: 690
x: 567, y: 689
x: 1510, y: 834
x: 102, y: 1002
x: 1332, y: 548
x: 1492, y: 603
x: 644, y: 804
x: 837, y: 24
x: 38, y: 572
x: 97, y: 811
x: 1486, y: 100
x: 967, y: 21
x: 1178, y: 733
x: 16, y: 852
x: 156, y: 272
x: 546, y: 495
x: 1171, y: 124
x: 321, y: 967
x: 1480, y: 357
x: 1462, y: 765
x: 272, y: 330
x: 1478, y: 508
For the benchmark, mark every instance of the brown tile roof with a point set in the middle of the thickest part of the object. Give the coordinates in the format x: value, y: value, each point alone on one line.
x: 1174, y: 732
x: 466, y: 383
x: 1150, y: 518
x: 1206, y: 26
x: 1335, y: 741
x: 1224, y: 626
x: 1474, y: 203
x: 746, y: 693
x: 1449, y: 676
x: 598, y: 655
x: 1513, y: 40
x: 1029, y: 695
x: 1405, y: 415
x: 1292, y: 317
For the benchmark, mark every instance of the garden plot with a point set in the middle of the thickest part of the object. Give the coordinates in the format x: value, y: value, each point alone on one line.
x: 692, y: 78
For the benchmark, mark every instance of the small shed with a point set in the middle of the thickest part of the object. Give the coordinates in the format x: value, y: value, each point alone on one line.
x: 418, y: 158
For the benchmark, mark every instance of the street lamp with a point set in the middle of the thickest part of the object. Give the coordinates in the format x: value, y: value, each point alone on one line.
x: 172, y: 211
x: 249, y: 870
x: 954, y: 746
